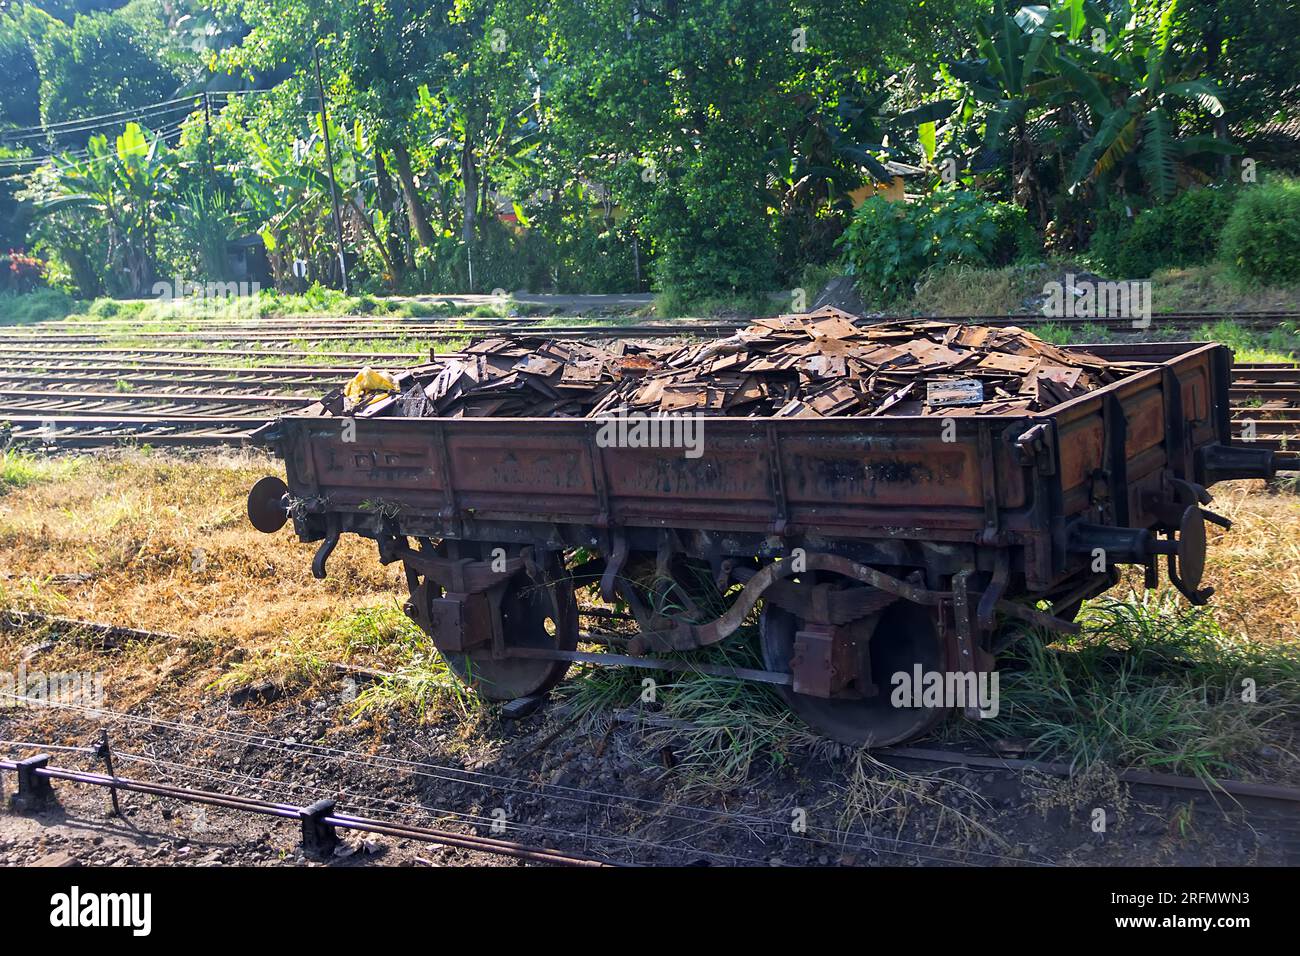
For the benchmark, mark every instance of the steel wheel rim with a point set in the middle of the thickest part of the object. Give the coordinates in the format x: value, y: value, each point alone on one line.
x: 905, y: 635
x: 525, y: 609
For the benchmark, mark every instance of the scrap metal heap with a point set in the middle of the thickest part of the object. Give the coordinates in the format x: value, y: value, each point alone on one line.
x: 819, y: 364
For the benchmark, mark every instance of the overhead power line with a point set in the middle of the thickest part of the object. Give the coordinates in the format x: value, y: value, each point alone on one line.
x: 107, y: 120
x: 97, y: 122
x: 80, y: 157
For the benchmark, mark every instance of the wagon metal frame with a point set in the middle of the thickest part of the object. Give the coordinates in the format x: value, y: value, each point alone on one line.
x: 868, y: 542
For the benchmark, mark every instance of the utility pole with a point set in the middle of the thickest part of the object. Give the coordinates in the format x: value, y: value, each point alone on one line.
x: 211, y: 197
x: 329, y: 162
x: 207, y: 141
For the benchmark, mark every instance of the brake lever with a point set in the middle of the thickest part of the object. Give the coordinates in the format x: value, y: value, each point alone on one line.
x: 1220, y: 520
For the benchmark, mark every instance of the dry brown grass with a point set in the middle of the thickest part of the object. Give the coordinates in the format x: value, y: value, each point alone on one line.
x: 1255, y: 567
x: 160, y: 542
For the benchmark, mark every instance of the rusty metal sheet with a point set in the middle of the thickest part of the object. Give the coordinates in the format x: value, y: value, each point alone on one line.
x: 821, y: 364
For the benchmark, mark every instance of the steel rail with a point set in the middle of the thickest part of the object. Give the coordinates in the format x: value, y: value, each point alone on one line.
x: 321, y: 329
x: 39, y: 366
x: 338, y: 820
x: 192, y: 398
x: 109, y: 381
x: 140, y: 418
x: 10, y: 351
x: 1273, y: 315
x: 186, y: 377
x: 109, y: 632
x: 1235, y: 788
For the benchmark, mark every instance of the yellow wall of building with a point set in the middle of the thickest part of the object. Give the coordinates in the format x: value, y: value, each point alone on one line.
x: 893, y: 192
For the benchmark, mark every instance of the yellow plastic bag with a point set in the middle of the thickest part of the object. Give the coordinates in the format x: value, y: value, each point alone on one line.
x: 366, y: 386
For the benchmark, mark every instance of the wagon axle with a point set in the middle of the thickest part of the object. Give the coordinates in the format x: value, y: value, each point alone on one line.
x: 832, y: 640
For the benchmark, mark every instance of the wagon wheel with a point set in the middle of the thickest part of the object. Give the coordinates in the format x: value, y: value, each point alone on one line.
x: 534, y: 616
x: 895, y: 639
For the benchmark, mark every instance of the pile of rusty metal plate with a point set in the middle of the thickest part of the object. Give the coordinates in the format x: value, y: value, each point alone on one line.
x: 818, y: 364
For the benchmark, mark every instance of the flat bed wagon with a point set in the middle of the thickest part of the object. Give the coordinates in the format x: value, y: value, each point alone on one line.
x: 869, y: 546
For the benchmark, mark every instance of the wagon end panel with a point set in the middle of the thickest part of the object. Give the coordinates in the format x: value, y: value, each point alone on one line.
x: 1119, y: 445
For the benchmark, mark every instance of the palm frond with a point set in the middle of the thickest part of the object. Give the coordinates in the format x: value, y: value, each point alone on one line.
x: 1157, y: 155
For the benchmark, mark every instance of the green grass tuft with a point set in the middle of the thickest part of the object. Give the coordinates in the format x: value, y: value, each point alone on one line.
x: 1151, y: 683
x: 19, y: 469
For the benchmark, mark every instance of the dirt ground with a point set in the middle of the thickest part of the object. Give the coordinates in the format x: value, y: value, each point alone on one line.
x: 610, y: 797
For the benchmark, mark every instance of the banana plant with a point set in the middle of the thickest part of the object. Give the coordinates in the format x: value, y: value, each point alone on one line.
x: 1089, y: 79
x: 292, y: 189
x: 1132, y: 101
x: 128, y: 187
x: 827, y: 153
x: 1015, y: 76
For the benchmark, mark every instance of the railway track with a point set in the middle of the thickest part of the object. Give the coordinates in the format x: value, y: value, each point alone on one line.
x: 270, y: 338
x: 320, y: 821
x: 179, y: 411
x: 64, y: 392
x: 1272, y: 805
x: 268, y: 329
x: 265, y: 338
x: 682, y: 830
x: 1233, y: 789
x: 947, y: 755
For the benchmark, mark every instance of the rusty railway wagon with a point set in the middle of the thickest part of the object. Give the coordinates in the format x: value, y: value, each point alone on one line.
x: 869, y: 546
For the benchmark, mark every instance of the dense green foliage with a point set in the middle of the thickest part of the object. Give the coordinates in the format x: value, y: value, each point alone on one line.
x: 21, y: 103
x: 1184, y: 231
x: 889, y: 246
x: 20, y: 309
x: 101, y: 64
x: 705, y: 150
x: 1262, y: 234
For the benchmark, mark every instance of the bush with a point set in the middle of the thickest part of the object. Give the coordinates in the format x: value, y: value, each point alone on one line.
x: 441, y: 268
x: 504, y: 259
x: 1015, y: 240
x: 20, y: 272
x: 580, y: 251
x: 1183, y: 232
x: 35, y: 306
x: 710, y: 230
x: 104, y: 309
x: 889, y: 245
x: 1262, y: 234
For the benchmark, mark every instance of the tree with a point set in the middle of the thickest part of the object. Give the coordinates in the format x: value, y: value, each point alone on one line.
x: 99, y: 65
x: 1133, y: 96
x: 1250, y: 50
x: 21, y: 104
x: 690, y: 98
x: 1016, y: 76
x: 1081, y: 97
x: 379, y: 53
